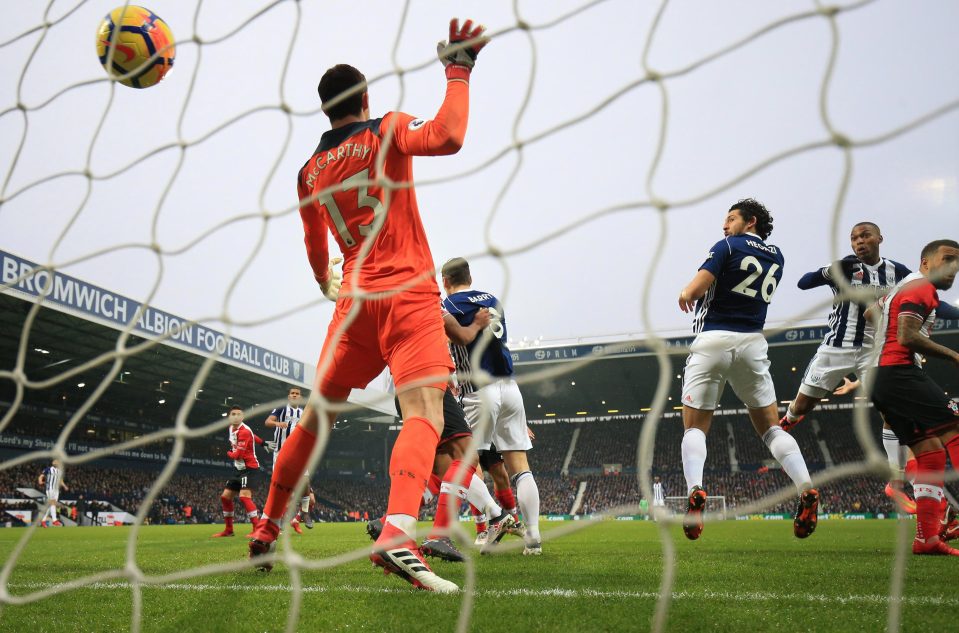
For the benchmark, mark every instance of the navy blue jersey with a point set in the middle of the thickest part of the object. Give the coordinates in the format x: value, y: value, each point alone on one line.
x: 848, y: 326
x: 747, y: 271
x: 496, y: 358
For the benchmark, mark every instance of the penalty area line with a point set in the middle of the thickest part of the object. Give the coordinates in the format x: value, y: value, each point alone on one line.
x: 678, y: 596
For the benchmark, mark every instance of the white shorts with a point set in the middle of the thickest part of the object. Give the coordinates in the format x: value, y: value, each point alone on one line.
x: 53, y: 496
x: 659, y: 503
x: 718, y: 356
x: 506, y: 425
x: 830, y: 365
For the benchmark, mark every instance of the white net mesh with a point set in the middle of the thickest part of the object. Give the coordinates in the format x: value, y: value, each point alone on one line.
x: 196, y: 174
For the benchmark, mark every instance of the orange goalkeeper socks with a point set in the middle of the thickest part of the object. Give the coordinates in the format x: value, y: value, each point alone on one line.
x: 410, y: 466
x: 288, y: 471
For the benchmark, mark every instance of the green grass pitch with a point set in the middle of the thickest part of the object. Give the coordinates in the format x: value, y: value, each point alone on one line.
x: 741, y: 576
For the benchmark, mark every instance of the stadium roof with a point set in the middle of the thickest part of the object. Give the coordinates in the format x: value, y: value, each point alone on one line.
x: 68, y: 347
x: 582, y: 381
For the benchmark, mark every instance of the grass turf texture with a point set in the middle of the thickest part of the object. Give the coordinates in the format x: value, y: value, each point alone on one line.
x: 741, y: 576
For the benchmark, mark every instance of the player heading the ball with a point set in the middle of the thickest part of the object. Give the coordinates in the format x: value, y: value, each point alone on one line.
x: 730, y: 295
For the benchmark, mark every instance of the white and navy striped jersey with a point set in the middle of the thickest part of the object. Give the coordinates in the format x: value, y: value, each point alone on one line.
x: 51, y: 480
x: 747, y: 271
x: 658, y: 496
x: 496, y: 358
x: 848, y: 326
x: 289, y: 414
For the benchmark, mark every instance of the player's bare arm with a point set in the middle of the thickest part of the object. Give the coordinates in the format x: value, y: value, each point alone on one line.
x: 847, y: 386
x: 273, y: 422
x: 909, y: 334
x: 465, y: 334
x: 695, y: 289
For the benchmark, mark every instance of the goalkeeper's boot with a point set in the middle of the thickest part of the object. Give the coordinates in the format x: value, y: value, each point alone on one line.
x: 932, y: 547
x: 481, y: 538
x: 223, y: 533
x: 693, y: 521
x: 497, y: 530
x: 295, y: 524
x: 807, y: 513
x: 949, y: 529
x: 374, y: 528
x: 442, y: 547
x: 263, y: 543
x: 397, y: 553
x: 787, y: 425
x: 903, y: 501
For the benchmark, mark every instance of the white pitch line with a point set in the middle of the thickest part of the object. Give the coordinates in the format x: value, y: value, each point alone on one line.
x: 746, y: 596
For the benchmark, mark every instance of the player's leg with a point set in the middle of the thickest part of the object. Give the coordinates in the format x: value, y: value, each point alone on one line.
x: 750, y: 378
x: 930, y: 480
x: 246, y: 500
x: 226, y: 502
x: 510, y: 435
x: 797, y: 410
x: 923, y: 417
x: 480, y: 517
x: 292, y: 462
x: 502, y: 488
x: 898, y: 456
x: 307, y: 502
x: 457, y: 474
x: 527, y: 494
x: 703, y: 381
x: 823, y: 374
x: 47, y: 512
x: 352, y: 362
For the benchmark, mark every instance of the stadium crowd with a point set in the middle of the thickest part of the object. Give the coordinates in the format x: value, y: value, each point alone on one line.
x: 194, y: 496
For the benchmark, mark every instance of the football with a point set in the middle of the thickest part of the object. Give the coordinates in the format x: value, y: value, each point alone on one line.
x: 135, y: 46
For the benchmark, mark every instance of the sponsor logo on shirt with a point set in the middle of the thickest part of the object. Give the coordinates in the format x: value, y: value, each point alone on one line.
x: 416, y: 124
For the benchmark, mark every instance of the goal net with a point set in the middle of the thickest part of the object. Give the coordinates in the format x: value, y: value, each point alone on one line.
x: 606, y: 140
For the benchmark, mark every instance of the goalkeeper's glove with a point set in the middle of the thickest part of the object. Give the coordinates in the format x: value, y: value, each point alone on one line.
x: 458, y: 56
x: 331, y: 288
x: 269, y: 446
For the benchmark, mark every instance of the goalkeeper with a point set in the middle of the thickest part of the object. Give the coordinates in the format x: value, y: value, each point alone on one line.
x: 358, y: 185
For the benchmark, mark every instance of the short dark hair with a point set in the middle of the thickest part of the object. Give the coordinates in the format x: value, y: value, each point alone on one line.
x: 867, y: 222
x: 235, y: 407
x: 337, y: 80
x: 749, y: 209
x: 457, y: 271
x: 930, y: 249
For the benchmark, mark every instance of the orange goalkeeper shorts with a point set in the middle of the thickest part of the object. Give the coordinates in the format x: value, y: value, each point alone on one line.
x: 403, y: 332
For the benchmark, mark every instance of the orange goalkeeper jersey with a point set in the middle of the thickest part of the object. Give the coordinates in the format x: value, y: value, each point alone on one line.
x: 346, y: 202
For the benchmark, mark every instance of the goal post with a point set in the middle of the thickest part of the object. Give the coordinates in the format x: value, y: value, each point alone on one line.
x: 715, y: 504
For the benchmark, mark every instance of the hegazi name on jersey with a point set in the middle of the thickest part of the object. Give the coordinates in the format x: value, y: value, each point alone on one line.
x: 346, y: 150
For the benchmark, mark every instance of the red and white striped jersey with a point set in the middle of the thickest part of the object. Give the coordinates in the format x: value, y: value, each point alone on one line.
x: 916, y: 298
x: 243, y: 447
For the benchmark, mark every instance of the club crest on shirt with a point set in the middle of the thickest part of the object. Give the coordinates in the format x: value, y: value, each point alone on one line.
x: 416, y: 124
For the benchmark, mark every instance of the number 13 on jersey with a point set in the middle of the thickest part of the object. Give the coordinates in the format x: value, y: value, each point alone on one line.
x: 359, y: 183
